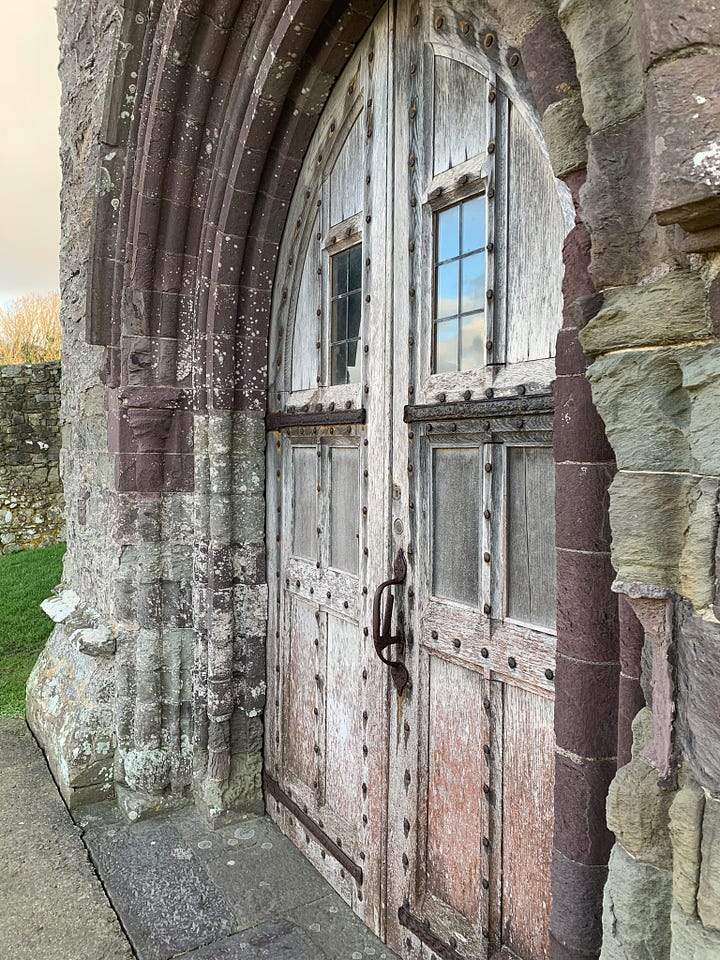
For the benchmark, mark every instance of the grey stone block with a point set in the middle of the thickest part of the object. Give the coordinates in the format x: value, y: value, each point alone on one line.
x: 168, y: 903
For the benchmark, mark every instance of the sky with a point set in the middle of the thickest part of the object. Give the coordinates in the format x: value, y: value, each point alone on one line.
x: 29, y: 163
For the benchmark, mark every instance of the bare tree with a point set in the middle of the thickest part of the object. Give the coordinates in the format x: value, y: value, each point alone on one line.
x: 30, y: 329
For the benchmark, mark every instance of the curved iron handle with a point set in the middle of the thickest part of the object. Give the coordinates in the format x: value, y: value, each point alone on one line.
x: 383, y: 638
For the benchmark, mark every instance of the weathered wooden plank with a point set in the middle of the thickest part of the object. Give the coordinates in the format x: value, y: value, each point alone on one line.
x: 343, y: 719
x: 456, y: 497
x: 344, y: 508
x: 304, y: 501
x: 456, y: 808
x: 305, y: 331
x: 459, y: 114
x: 300, y: 664
x: 528, y: 747
x: 536, y: 230
x: 530, y: 546
x: 347, y: 175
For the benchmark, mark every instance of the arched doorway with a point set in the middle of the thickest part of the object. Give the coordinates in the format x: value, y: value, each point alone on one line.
x: 416, y: 307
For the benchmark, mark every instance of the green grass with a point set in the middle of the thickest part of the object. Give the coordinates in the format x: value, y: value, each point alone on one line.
x: 26, y: 579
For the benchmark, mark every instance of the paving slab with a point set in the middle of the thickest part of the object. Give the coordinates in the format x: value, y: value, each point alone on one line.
x: 169, y: 887
x: 242, y: 891
x: 52, y: 904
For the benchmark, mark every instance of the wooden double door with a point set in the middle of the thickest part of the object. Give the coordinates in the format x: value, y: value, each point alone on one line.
x: 409, y: 751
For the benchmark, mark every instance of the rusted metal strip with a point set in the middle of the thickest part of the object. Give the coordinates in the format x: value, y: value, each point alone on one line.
x: 423, y: 932
x: 276, y: 791
x: 314, y: 418
x: 479, y: 409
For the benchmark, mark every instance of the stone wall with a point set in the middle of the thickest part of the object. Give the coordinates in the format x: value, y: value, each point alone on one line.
x: 75, y: 724
x: 650, y: 100
x: 32, y: 505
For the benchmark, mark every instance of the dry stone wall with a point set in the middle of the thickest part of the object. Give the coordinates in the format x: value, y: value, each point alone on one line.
x: 32, y: 506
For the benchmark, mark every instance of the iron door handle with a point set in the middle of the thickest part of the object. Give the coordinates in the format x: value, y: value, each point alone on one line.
x: 383, y: 639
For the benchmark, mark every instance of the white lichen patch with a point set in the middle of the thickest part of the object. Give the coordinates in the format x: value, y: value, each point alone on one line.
x: 708, y: 163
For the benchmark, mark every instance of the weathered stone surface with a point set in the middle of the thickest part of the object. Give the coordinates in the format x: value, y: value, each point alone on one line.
x: 607, y: 59
x: 637, y: 813
x: 70, y: 704
x: 657, y: 404
x: 663, y: 27
x: 664, y: 532
x: 549, y: 63
x: 566, y: 134
x: 642, y: 731
x: 636, y: 909
x: 31, y: 496
x: 159, y: 889
x: 61, y: 605
x: 700, y: 380
x: 627, y: 243
x: 690, y: 940
x: 684, y: 114
x: 708, y: 896
x: 241, y: 791
x: 580, y: 788
x: 686, y: 814
x: 52, y: 905
x: 669, y: 310
x: 576, y: 913
x: 697, y: 679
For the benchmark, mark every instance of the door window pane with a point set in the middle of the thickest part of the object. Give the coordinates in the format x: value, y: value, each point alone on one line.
x: 456, y: 524
x: 446, y: 346
x: 448, y: 231
x: 338, y: 364
x: 448, y: 283
x: 473, y: 224
x: 346, y: 315
x: 531, y: 535
x: 460, y: 287
x: 473, y: 341
x: 473, y: 283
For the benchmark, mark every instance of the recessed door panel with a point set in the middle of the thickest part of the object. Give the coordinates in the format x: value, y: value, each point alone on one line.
x: 343, y: 719
x: 300, y: 696
x: 527, y: 820
x: 456, y: 806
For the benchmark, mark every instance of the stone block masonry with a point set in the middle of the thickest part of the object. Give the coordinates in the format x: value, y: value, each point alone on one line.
x: 32, y: 506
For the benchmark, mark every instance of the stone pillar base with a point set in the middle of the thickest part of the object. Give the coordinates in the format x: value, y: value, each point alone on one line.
x: 70, y: 706
x: 136, y: 806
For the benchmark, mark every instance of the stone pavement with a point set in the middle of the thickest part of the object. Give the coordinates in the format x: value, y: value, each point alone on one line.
x: 52, y: 905
x: 178, y: 888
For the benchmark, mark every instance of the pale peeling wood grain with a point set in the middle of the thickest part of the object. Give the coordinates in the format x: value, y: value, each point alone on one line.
x: 528, y: 752
x: 456, y: 809
x: 304, y: 362
x: 460, y: 114
x: 343, y: 719
x: 348, y: 175
x: 301, y: 664
x: 536, y: 230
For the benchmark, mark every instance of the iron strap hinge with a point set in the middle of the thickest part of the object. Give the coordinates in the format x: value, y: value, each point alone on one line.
x: 422, y: 931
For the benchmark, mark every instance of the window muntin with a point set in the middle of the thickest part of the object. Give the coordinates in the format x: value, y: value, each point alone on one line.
x: 346, y: 315
x: 459, y: 287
